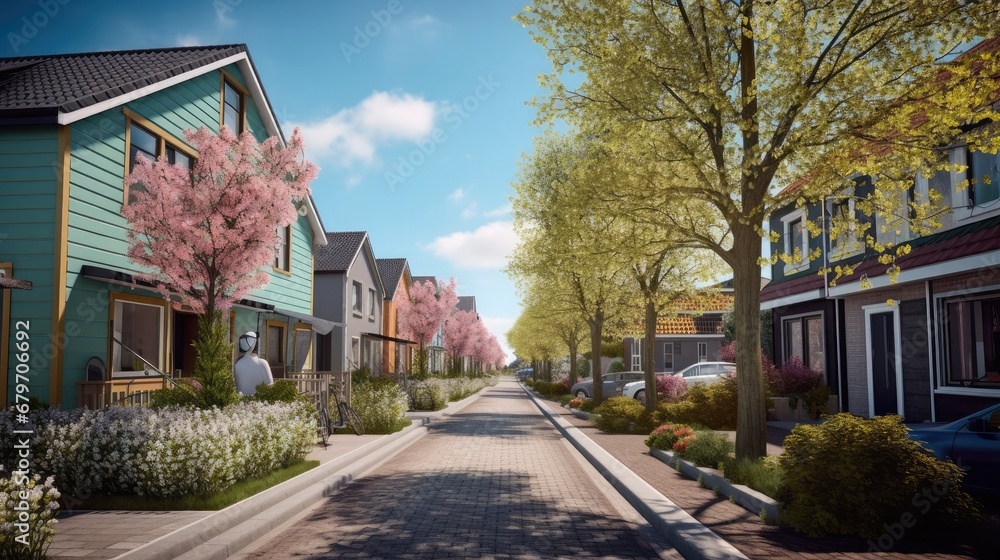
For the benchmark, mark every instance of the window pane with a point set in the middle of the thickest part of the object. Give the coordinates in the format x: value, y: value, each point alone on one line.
x: 143, y: 140
x: 984, y: 172
x: 371, y: 302
x: 275, y: 345
x: 814, y: 339
x: 281, y: 260
x: 232, y: 96
x: 961, y: 342
x: 668, y: 356
x: 177, y: 157
x: 231, y: 118
x: 356, y: 297
x: 139, y: 327
x: 793, y: 338
x: 303, y: 345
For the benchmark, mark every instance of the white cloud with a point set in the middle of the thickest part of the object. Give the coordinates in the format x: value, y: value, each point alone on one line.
x: 424, y: 21
x: 471, y: 210
x: 499, y: 326
x: 485, y: 247
x: 353, y: 134
x: 189, y: 40
x: 499, y: 212
x: 457, y: 194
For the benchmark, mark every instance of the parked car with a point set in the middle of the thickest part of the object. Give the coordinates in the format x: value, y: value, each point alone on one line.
x: 706, y: 372
x: 524, y: 373
x: 637, y: 389
x: 972, y: 442
x: 612, y: 382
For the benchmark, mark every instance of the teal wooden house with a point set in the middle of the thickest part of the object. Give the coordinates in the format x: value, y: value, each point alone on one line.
x: 70, y: 127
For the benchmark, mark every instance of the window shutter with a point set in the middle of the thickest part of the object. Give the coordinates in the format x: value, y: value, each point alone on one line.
x: 677, y: 349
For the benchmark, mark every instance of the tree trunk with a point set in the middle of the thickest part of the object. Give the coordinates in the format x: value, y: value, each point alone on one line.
x: 573, y: 344
x: 648, y: 356
x: 751, y: 423
x: 596, y: 325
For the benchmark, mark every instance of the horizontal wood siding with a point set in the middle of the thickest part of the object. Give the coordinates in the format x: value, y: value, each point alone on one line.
x: 28, y: 158
x: 97, y: 230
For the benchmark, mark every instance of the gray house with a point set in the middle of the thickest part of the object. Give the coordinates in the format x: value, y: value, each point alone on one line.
x: 348, y: 290
x: 693, y: 334
x: 436, y: 354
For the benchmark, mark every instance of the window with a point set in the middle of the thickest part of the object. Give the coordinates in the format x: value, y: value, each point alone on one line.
x: 356, y: 304
x: 795, y: 236
x: 151, y: 142
x: 138, y: 322
x: 637, y: 355
x: 275, y: 350
x: 234, y: 104
x: 668, y: 356
x: 984, y: 178
x: 803, y: 338
x: 972, y: 346
x: 371, y: 303
x: 702, y: 351
x: 844, y: 218
x: 302, y: 347
x: 282, y: 261
x: 355, y: 352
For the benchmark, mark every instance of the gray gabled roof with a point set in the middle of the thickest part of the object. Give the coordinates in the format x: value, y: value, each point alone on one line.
x: 44, y: 86
x: 391, y: 270
x: 423, y: 279
x: 340, y: 250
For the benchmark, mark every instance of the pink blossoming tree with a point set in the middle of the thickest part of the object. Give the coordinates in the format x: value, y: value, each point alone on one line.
x: 209, y: 235
x: 460, y: 336
x: 422, y: 314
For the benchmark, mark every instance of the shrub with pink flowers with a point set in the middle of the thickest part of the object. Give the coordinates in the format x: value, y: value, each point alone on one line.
x: 666, y: 435
x: 796, y: 378
x: 670, y: 388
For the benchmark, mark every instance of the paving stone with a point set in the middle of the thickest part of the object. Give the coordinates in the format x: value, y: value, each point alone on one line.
x: 494, y: 481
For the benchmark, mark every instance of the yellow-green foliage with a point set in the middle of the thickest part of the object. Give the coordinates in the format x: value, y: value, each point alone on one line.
x: 618, y: 414
x: 713, y: 406
x: 853, y: 476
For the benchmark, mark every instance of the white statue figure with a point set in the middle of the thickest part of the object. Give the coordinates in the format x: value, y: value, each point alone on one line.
x: 251, y: 370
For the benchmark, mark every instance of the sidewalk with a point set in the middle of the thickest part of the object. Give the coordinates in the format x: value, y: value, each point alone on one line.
x: 741, y: 528
x: 109, y: 534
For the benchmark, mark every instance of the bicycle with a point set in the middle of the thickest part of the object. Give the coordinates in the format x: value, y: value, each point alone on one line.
x: 325, y: 427
x: 346, y: 415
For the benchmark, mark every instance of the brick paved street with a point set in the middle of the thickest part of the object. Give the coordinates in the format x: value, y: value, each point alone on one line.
x: 494, y: 481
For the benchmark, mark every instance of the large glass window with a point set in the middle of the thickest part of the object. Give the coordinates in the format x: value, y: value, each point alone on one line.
x: 142, y: 141
x: 803, y: 338
x: 972, y: 348
x: 233, y: 106
x: 984, y: 178
x: 140, y: 327
x: 282, y: 261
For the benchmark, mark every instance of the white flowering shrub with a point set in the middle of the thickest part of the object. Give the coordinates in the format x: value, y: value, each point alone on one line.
x: 381, y: 404
x: 169, y: 451
x: 27, y: 514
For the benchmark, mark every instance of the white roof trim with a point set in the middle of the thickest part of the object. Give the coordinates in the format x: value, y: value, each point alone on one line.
x: 792, y: 299
x: 947, y: 268
x: 242, y: 60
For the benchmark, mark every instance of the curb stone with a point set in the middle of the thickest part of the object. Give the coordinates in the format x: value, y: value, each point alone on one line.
x: 750, y: 499
x: 689, y: 537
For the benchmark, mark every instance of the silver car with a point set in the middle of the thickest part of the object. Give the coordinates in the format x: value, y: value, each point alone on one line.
x: 612, y: 383
x: 706, y: 372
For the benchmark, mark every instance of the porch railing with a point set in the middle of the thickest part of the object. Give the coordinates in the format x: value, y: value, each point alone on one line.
x: 319, y: 384
x: 122, y: 392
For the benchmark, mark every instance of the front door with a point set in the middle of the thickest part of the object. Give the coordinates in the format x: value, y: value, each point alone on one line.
x: 882, y: 345
x: 185, y: 333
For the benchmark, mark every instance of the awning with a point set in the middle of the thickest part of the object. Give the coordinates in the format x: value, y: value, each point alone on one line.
x: 321, y: 326
x: 119, y: 278
x: 14, y: 283
x: 389, y: 338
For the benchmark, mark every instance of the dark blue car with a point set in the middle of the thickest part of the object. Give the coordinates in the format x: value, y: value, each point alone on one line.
x: 972, y: 442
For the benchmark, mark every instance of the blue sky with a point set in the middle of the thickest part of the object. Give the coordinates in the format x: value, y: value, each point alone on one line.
x: 415, y: 111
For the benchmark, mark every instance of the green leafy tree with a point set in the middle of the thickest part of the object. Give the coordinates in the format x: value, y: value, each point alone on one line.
x: 716, y: 106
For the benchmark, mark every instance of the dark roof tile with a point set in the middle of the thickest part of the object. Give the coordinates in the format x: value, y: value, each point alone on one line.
x: 339, y: 252
x: 391, y: 270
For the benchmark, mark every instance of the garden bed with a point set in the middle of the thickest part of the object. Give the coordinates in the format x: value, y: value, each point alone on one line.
x: 750, y: 499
